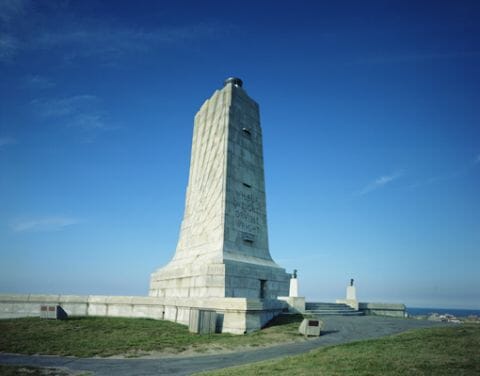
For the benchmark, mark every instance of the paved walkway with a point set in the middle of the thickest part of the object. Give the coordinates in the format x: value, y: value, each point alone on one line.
x: 337, y: 330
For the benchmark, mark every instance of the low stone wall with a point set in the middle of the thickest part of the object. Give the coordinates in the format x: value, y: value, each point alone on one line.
x: 296, y: 304
x: 352, y: 303
x: 235, y: 315
x: 383, y: 309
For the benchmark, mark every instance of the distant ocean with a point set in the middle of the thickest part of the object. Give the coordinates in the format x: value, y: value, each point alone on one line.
x: 455, y: 312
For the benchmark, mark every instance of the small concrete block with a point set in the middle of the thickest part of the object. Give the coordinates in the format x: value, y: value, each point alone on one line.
x: 310, y: 327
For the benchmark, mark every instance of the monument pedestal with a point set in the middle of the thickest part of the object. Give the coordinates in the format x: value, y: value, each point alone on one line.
x: 252, y: 280
x: 351, y: 297
x: 351, y: 293
x: 293, y: 288
x: 296, y: 304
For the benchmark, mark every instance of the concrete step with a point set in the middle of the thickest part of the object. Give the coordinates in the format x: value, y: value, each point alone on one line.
x: 334, y: 309
x: 325, y: 306
x: 334, y: 312
x: 319, y: 308
x: 325, y: 303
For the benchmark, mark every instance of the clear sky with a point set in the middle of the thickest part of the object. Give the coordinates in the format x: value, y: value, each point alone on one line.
x: 371, y: 120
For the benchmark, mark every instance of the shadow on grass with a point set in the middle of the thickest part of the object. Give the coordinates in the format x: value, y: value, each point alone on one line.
x: 284, y: 319
x: 327, y: 332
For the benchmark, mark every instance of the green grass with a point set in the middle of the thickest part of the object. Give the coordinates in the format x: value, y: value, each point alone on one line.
x: 107, y: 336
x: 7, y: 370
x: 435, y: 351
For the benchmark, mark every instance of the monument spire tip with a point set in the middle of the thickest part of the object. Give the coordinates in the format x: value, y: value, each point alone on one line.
x: 235, y: 81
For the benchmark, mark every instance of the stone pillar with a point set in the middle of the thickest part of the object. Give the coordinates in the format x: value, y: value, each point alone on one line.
x: 351, y: 293
x: 351, y: 296
x: 293, y: 288
x: 222, y: 249
x: 296, y: 304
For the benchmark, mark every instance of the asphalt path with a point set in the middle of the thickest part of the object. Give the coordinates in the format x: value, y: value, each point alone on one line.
x: 337, y: 330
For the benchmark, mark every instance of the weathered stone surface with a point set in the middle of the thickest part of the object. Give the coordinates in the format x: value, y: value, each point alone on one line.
x: 239, y: 315
x: 202, y: 321
x: 310, y: 327
x: 223, y: 245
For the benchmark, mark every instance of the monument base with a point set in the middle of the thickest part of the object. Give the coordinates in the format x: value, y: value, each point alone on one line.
x: 234, y: 315
x: 230, y: 279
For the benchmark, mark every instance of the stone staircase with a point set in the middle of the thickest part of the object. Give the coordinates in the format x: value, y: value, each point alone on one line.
x: 332, y: 309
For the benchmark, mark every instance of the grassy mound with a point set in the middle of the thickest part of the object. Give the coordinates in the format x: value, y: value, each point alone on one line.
x: 434, y: 351
x: 107, y: 336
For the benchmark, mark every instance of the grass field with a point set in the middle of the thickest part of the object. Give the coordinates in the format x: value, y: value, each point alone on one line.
x: 107, y: 336
x: 34, y: 371
x: 452, y: 350
x: 435, y: 351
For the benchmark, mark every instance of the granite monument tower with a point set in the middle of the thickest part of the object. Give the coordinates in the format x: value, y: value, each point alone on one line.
x: 222, y: 250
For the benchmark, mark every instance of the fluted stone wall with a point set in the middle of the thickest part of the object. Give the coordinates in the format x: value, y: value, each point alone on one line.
x: 223, y: 245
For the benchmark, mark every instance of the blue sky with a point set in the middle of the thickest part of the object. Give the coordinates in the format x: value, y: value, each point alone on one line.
x: 371, y: 138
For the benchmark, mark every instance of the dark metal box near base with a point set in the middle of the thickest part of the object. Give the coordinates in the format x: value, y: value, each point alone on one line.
x: 202, y: 321
x: 54, y: 312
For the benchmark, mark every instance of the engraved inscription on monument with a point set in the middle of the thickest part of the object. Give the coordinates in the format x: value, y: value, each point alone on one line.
x: 246, y: 206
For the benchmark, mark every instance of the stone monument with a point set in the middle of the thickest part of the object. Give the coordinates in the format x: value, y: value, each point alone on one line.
x: 222, y: 250
x: 296, y: 303
x: 350, y: 296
